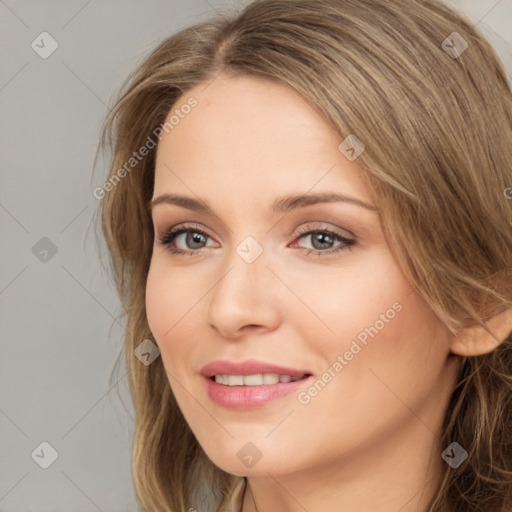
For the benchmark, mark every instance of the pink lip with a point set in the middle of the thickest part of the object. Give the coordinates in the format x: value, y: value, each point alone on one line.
x: 249, y: 397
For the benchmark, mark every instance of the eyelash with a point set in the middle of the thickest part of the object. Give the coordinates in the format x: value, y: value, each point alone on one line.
x: 169, y: 237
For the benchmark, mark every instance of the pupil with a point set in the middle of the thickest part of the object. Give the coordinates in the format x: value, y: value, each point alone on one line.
x: 194, y: 238
x: 322, y: 238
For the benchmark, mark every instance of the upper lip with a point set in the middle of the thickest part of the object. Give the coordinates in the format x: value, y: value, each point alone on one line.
x: 250, y: 367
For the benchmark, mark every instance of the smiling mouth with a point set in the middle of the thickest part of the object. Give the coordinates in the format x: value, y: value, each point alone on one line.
x: 258, y: 379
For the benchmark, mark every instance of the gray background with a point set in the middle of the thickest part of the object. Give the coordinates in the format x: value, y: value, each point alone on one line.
x: 59, y: 330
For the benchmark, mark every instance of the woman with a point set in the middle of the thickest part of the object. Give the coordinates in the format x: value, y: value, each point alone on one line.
x: 307, y: 215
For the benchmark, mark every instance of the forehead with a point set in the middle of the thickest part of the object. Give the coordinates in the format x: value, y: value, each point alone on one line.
x: 250, y: 138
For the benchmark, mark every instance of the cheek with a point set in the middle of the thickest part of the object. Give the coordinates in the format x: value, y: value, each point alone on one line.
x: 165, y: 305
x: 392, y: 359
x: 169, y: 298
x: 353, y: 302
x: 157, y: 305
x: 379, y: 326
x: 174, y: 310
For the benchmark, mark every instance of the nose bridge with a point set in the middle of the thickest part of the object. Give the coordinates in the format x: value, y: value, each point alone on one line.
x: 247, y: 267
x: 244, y: 277
x: 241, y: 297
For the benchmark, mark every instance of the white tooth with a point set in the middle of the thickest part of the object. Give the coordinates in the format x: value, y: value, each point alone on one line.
x: 253, y: 380
x: 257, y: 379
x: 235, y: 380
x: 270, y: 378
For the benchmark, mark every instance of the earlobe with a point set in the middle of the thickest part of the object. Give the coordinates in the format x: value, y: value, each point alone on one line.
x: 475, y: 340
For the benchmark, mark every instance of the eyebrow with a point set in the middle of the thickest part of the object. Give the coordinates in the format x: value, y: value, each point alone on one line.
x: 280, y: 205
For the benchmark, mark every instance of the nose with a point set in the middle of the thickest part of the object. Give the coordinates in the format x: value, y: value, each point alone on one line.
x: 245, y: 299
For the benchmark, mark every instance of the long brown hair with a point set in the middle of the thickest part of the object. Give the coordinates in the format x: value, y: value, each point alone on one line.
x: 436, y: 120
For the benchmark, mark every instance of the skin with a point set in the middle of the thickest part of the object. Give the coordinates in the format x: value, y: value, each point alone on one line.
x: 370, y: 439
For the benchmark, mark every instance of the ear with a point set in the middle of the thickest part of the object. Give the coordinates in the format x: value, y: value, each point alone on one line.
x: 475, y: 340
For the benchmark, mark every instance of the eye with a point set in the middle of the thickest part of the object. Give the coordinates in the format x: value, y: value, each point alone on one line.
x: 192, y: 237
x: 323, y: 241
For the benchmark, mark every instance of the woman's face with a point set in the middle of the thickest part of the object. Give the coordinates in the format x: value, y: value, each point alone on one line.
x: 275, y: 269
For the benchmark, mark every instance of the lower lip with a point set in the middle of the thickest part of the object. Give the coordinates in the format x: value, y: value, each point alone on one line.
x: 244, y: 398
